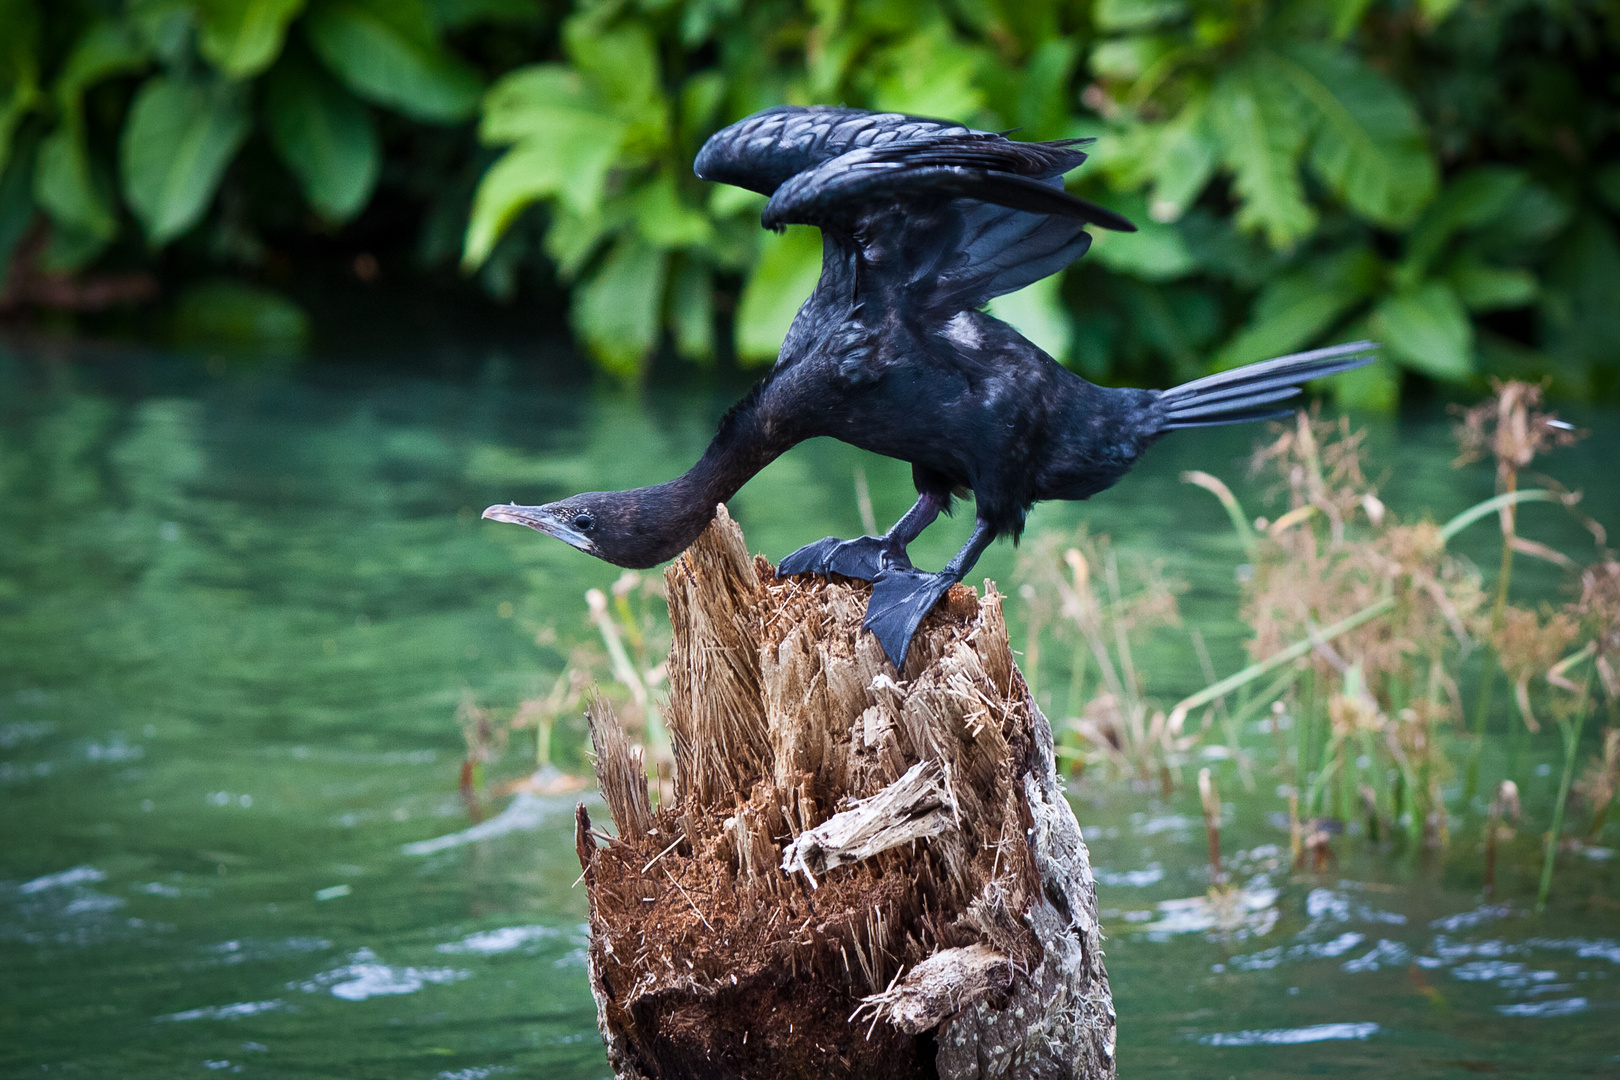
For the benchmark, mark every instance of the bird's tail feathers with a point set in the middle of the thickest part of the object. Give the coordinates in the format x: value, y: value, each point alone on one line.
x: 1254, y: 391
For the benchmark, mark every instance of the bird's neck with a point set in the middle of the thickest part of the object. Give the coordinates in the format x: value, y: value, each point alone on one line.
x: 682, y: 508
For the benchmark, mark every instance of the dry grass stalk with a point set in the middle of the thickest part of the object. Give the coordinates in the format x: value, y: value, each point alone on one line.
x: 1529, y: 644
x: 1600, y: 783
x: 1379, y: 691
x: 1505, y: 805
x: 1510, y: 428
x: 707, y: 959
x: 1074, y: 585
x: 621, y: 772
x: 1209, y: 795
x: 1599, y: 609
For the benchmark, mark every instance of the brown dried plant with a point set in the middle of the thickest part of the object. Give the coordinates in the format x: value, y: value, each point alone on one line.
x: 1599, y: 785
x: 1599, y: 610
x: 1378, y: 690
x: 1530, y: 644
x: 541, y: 712
x: 1510, y: 427
x: 1074, y: 586
x: 1319, y: 461
x: 486, y: 741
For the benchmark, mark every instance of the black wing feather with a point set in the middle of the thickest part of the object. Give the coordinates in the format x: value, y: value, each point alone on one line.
x: 1002, y: 172
x: 763, y: 151
x: 970, y: 214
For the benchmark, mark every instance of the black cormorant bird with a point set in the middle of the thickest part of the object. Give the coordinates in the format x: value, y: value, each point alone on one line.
x: 922, y: 222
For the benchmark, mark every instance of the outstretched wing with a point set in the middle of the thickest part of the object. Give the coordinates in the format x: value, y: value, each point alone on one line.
x: 953, y: 214
x: 763, y: 151
x: 975, y: 165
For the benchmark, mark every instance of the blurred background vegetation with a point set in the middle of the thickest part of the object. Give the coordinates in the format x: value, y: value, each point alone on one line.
x: 1443, y: 175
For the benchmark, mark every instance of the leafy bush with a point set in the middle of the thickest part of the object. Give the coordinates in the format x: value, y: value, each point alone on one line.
x: 1440, y: 174
x: 1302, y: 171
x: 110, y: 110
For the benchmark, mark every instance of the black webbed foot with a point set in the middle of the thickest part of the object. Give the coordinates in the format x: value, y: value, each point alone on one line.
x: 865, y: 557
x: 900, y: 599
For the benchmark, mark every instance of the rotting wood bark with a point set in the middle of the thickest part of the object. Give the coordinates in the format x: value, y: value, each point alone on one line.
x: 863, y: 873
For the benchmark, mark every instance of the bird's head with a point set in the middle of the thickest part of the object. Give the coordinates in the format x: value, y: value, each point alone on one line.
x: 620, y: 527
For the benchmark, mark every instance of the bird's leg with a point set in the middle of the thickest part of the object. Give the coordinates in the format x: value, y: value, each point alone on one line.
x: 868, y: 556
x: 902, y: 595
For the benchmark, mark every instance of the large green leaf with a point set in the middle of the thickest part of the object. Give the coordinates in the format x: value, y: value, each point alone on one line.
x: 180, y: 136
x: 324, y: 136
x: 616, y: 311
x: 1135, y: 14
x: 1185, y: 157
x: 16, y: 196
x: 235, y: 314
x: 386, y: 51
x: 243, y: 37
x: 691, y: 310
x: 1043, y: 96
x: 1427, y: 330
x: 1262, y: 135
x: 784, y: 277
x: 665, y: 220
x: 66, y: 187
x: 1155, y: 252
x: 107, y: 47
x: 1130, y: 58
x: 1368, y: 143
x: 536, y: 102
x: 929, y: 73
x: 566, y: 145
x: 1474, y: 199
x: 19, y: 67
x: 573, y: 238
x: 1037, y: 312
x: 621, y: 66
x: 620, y: 62
x: 1482, y: 287
x: 572, y: 165
x: 166, y: 29
x: 1295, y: 309
x: 65, y: 182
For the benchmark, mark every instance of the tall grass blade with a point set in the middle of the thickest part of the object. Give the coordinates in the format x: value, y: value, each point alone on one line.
x: 1293, y: 652
x: 1491, y: 506
x: 1216, y: 487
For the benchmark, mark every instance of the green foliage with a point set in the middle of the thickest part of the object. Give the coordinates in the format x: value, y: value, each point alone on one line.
x: 1280, y: 157
x: 121, y: 112
x: 324, y: 136
x: 238, y: 316
x: 1444, y: 176
x: 180, y: 136
x: 243, y: 37
x: 388, y: 52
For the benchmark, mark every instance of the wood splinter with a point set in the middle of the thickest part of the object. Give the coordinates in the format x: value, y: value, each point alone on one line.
x: 863, y: 872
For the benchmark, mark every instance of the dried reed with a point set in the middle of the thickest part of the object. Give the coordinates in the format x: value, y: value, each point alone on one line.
x: 1510, y: 428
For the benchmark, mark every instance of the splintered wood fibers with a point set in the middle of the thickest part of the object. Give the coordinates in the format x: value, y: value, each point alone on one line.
x: 938, y: 915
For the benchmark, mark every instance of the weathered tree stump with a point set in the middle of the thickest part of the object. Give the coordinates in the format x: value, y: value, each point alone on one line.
x: 863, y: 873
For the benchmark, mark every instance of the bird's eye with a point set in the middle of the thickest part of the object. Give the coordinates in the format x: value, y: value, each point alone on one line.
x: 584, y: 523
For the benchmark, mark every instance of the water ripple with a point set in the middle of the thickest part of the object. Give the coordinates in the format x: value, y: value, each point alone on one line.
x: 1290, y: 1036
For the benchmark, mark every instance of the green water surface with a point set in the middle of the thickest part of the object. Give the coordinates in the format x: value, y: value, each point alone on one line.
x: 238, y: 611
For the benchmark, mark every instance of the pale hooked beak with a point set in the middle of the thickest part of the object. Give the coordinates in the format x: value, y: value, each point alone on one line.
x: 541, y: 519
